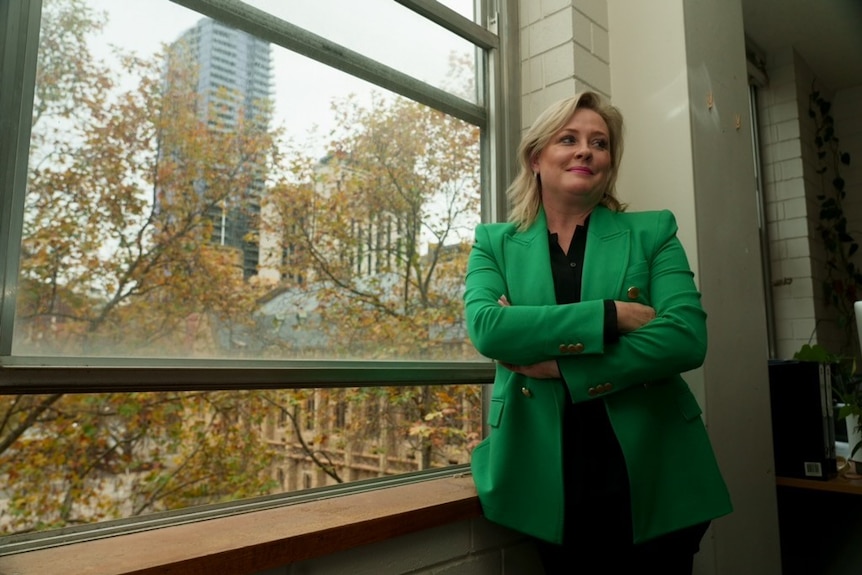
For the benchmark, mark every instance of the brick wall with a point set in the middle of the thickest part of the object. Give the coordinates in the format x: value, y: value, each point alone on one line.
x: 564, y: 49
x: 791, y: 185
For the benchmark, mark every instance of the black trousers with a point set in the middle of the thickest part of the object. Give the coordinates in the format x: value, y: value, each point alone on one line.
x: 598, y: 514
x: 671, y: 554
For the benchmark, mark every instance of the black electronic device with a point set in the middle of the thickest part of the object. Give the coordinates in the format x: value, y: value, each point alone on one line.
x: 803, y: 419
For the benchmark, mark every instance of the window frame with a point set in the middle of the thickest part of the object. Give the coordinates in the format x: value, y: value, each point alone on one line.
x: 494, y: 113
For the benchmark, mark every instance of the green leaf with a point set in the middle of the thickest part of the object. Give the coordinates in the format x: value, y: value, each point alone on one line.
x: 816, y: 353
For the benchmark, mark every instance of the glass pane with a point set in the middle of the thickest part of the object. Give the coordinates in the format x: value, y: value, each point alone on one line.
x: 465, y: 8
x: 389, y: 33
x: 87, y: 458
x: 196, y: 192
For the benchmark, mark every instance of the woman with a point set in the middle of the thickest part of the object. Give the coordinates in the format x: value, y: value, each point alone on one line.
x: 596, y: 445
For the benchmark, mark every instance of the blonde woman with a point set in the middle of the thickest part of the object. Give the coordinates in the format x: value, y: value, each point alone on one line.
x: 596, y: 445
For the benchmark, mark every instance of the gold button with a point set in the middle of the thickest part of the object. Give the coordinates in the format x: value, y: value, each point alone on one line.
x: 606, y: 387
x: 576, y: 347
x: 592, y: 391
x: 633, y: 292
x: 526, y: 392
x: 563, y: 348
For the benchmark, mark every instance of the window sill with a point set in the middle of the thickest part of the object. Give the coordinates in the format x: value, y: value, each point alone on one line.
x: 253, y: 542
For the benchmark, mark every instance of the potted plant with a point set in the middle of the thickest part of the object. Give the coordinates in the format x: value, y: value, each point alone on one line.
x: 842, y: 284
x: 849, y: 398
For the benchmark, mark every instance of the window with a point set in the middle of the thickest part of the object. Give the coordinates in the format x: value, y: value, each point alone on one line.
x: 220, y: 288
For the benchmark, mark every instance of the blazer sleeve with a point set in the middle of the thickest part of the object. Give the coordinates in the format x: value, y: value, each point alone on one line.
x: 672, y: 343
x: 523, y: 334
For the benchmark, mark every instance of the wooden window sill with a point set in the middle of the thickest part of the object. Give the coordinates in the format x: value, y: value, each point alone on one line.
x: 252, y: 542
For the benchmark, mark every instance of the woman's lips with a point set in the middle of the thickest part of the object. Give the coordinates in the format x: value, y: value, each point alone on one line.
x: 581, y: 170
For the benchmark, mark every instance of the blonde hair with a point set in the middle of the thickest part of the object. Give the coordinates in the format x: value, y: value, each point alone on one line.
x: 525, y: 192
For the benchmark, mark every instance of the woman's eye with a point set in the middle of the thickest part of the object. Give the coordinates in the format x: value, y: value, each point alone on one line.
x: 567, y: 139
x: 600, y: 144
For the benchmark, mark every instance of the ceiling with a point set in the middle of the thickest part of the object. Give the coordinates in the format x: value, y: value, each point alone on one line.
x: 827, y: 34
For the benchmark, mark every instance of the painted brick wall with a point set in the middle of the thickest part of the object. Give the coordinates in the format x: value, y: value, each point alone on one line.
x: 791, y: 185
x: 782, y: 132
x: 564, y: 49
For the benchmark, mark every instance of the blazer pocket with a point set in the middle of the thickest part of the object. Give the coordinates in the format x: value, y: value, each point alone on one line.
x: 495, y: 412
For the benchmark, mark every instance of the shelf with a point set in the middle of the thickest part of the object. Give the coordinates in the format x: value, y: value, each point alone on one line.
x: 845, y: 482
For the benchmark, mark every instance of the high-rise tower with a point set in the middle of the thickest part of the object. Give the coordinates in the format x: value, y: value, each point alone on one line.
x: 233, y: 82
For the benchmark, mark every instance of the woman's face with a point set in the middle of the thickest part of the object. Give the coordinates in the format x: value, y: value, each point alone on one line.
x: 576, y: 162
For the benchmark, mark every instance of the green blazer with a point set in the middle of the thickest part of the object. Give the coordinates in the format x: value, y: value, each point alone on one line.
x: 674, y: 477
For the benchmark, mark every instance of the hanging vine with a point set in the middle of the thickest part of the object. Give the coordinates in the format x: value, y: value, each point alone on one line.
x: 843, y: 283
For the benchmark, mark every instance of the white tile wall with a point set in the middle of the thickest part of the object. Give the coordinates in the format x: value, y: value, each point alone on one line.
x: 592, y: 70
x: 565, y: 48
x: 791, y: 186
x: 550, y: 32
x: 595, y: 10
x: 787, y: 210
x: 558, y: 65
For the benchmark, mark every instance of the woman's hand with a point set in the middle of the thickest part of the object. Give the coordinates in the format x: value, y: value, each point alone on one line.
x: 543, y: 370
x: 632, y: 315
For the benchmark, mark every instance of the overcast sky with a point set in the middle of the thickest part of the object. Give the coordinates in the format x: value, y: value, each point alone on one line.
x: 303, y: 89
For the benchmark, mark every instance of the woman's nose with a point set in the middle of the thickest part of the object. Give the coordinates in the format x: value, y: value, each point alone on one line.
x: 583, y: 152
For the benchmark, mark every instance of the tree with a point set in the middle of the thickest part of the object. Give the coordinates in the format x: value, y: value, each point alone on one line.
x: 84, y: 458
x: 119, y: 220
x: 377, y: 231
x: 116, y: 259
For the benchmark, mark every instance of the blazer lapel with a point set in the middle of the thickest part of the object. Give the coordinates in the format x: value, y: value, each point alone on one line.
x: 528, y: 265
x: 608, y: 247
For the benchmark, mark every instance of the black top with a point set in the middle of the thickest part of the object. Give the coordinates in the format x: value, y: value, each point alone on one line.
x: 596, y: 481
